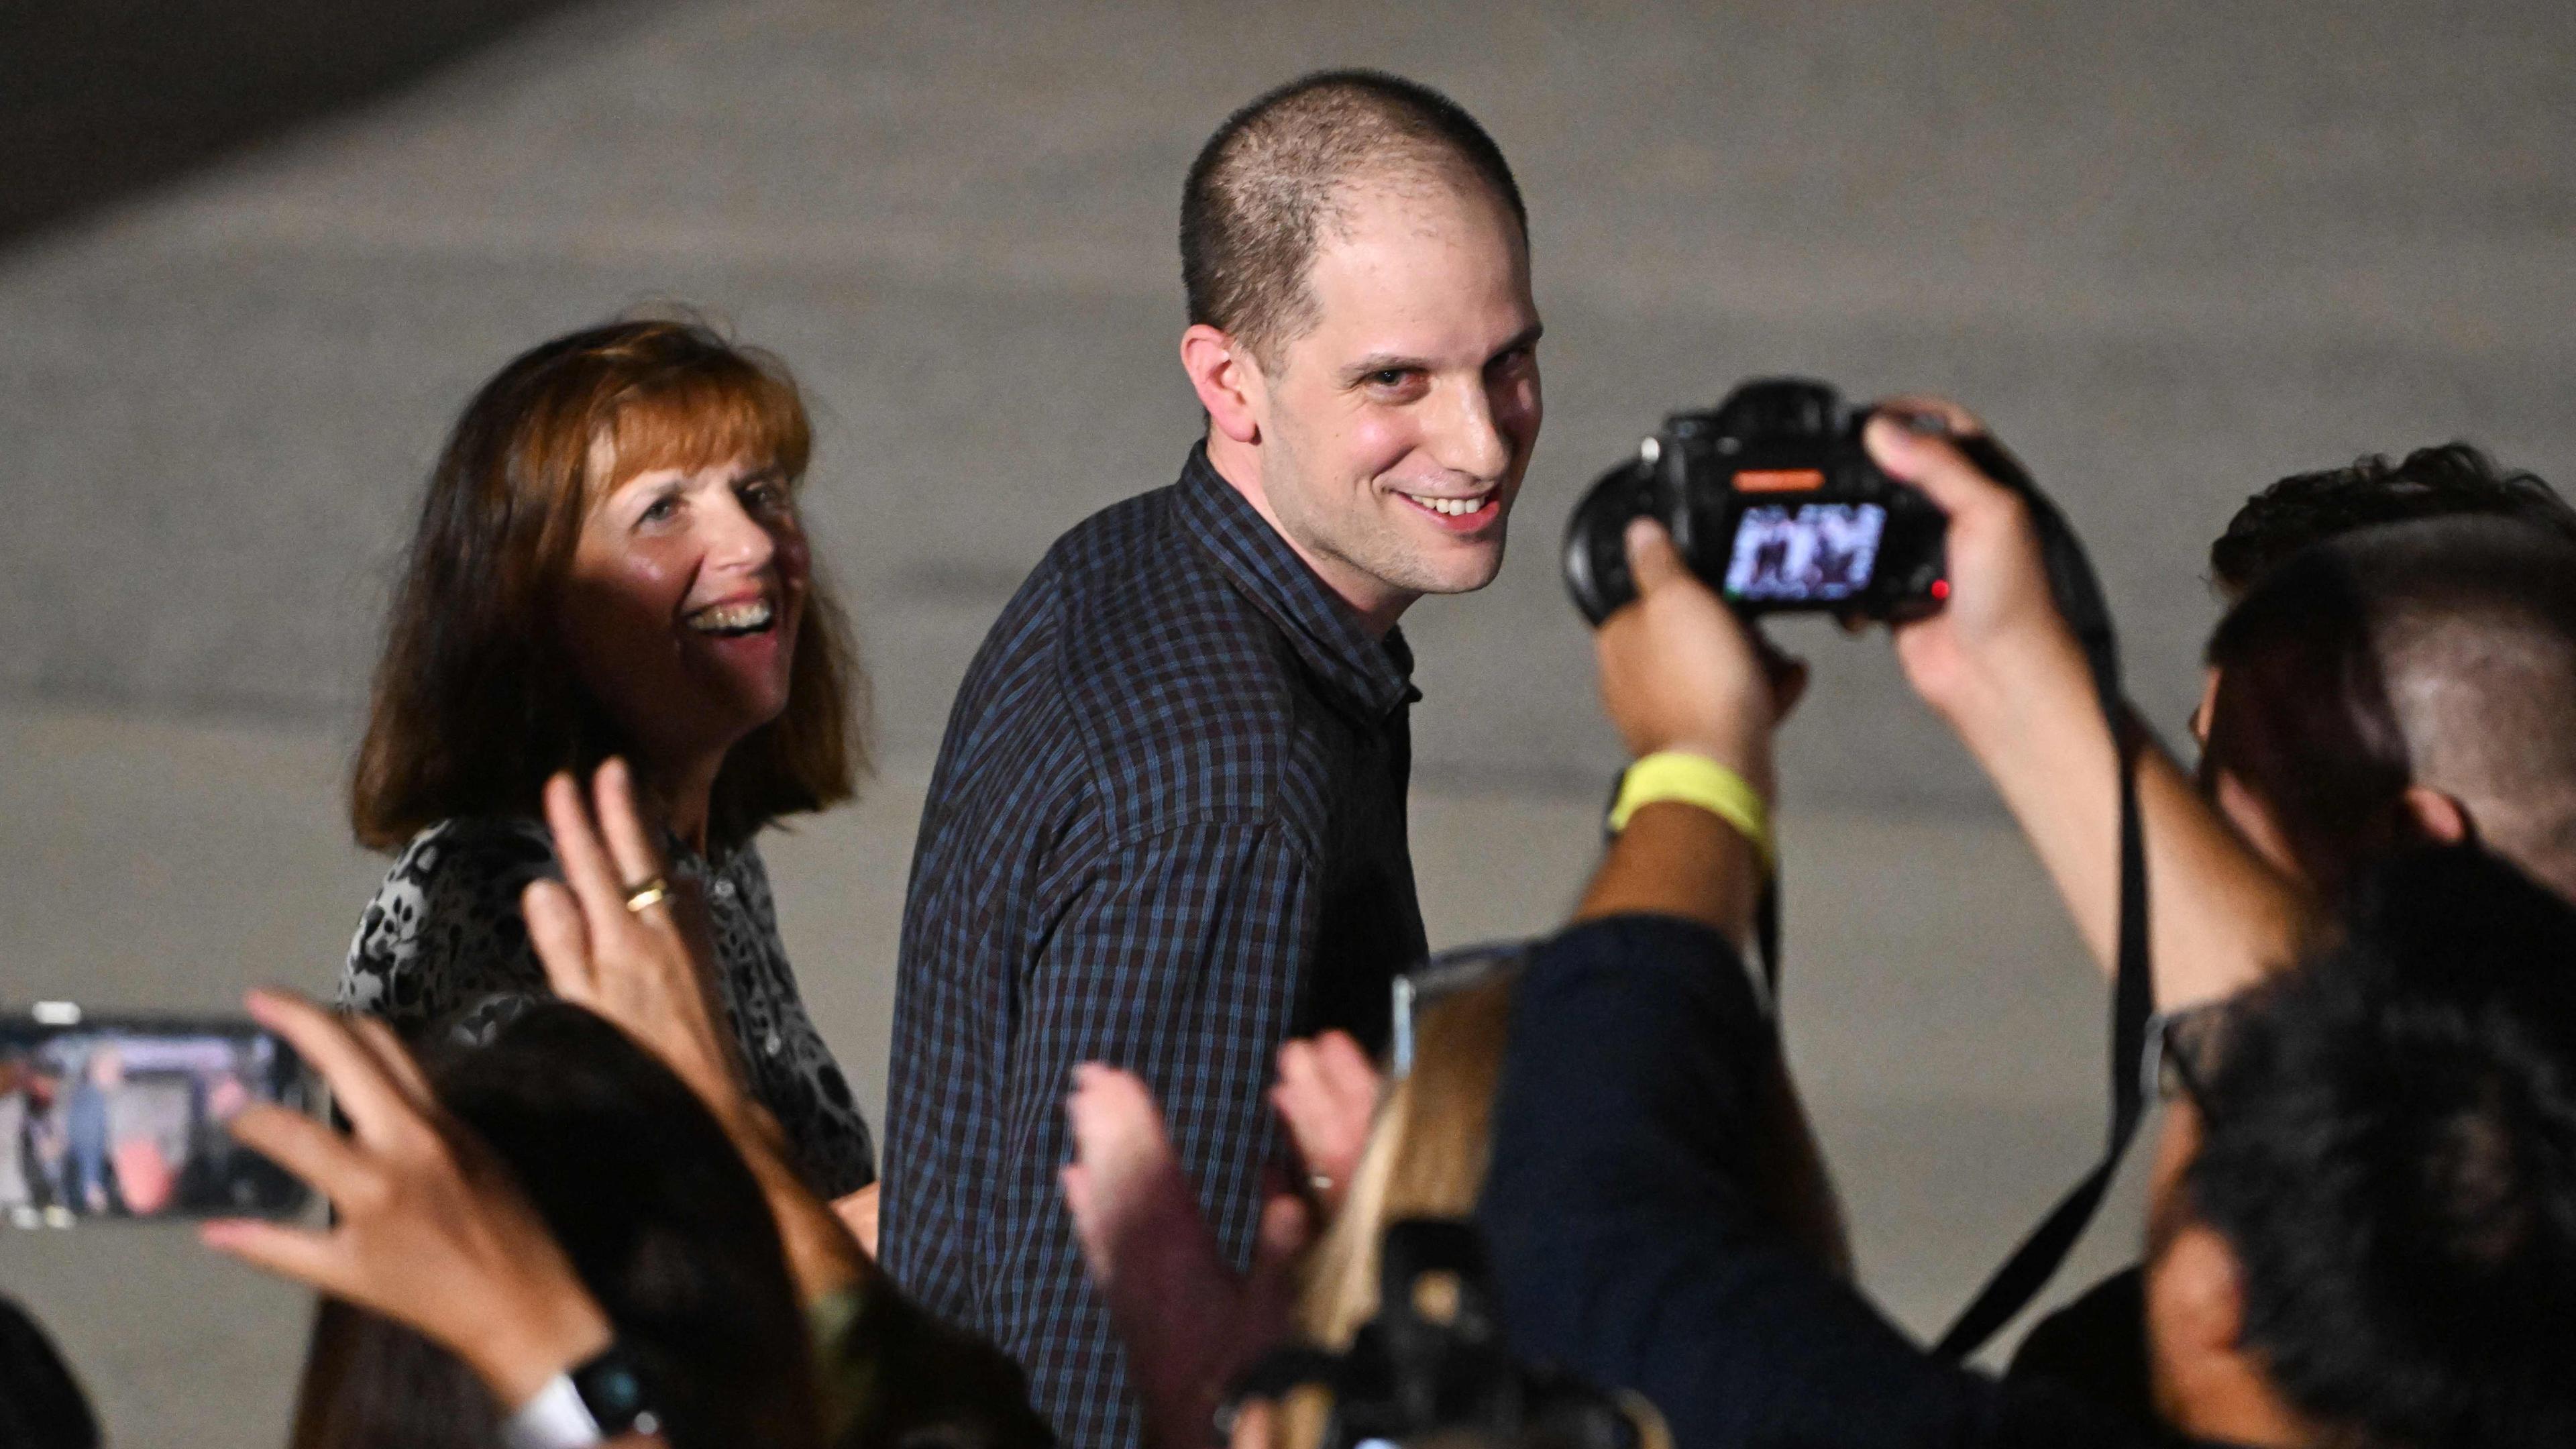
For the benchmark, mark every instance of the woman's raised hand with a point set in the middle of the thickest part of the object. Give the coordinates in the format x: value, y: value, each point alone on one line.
x: 616, y: 936
x: 620, y: 939
x: 433, y: 1231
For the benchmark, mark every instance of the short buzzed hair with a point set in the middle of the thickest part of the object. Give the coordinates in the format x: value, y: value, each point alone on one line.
x: 1271, y: 182
x: 2441, y: 653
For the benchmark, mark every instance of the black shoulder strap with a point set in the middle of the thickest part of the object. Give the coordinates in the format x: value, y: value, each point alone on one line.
x: 2079, y: 596
x: 2031, y: 1265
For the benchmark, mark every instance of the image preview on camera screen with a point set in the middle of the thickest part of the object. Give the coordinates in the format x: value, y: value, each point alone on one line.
x: 128, y: 1122
x: 1807, y: 552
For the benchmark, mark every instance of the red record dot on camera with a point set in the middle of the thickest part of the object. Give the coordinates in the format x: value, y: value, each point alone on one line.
x: 1940, y: 588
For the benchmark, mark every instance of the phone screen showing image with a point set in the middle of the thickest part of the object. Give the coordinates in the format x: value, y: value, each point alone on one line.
x: 1804, y: 553
x: 125, y: 1118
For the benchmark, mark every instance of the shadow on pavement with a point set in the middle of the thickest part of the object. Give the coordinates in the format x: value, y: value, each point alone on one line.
x: 106, y: 96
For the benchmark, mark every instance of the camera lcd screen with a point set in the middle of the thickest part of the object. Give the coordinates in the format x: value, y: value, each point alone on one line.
x: 125, y: 1119
x: 1808, y: 552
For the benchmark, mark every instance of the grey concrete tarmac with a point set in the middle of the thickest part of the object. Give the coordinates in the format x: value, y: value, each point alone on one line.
x: 2170, y: 251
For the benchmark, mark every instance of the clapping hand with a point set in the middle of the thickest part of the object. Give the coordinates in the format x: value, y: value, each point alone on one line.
x: 1327, y: 1094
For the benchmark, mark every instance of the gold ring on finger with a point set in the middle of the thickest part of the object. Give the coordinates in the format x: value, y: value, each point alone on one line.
x: 651, y: 893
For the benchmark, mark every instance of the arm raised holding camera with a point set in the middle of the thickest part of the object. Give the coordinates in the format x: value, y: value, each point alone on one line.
x: 2001, y: 667
x: 1680, y: 674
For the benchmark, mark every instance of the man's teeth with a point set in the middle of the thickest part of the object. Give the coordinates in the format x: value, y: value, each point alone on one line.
x: 742, y: 618
x: 1454, y: 507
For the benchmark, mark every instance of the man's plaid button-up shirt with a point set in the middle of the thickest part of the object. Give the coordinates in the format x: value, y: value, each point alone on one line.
x: 1166, y: 832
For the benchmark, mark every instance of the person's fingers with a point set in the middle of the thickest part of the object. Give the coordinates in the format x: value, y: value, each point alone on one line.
x: 1298, y: 1069
x: 1075, y: 1180
x: 586, y: 865
x: 369, y: 1098
x: 396, y: 1059
x: 629, y: 843
x: 1952, y: 418
x: 1090, y: 1234
x: 320, y: 1157
x: 1341, y: 1060
x: 561, y: 938
x: 1652, y: 560
x: 1788, y: 683
x: 306, y: 1255
x: 1934, y: 465
x: 1279, y: 1246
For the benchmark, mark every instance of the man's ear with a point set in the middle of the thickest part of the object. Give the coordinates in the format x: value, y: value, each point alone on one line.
x: 1227, y: 379
x: 2207, y: 1383
x: 2201, y: 1300
x: 2435, y: 816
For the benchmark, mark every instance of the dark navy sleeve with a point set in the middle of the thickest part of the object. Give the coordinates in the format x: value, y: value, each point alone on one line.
x: 1627, y: 1242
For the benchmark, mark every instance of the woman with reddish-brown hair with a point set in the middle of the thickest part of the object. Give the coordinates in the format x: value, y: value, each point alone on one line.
x: 610, y: 561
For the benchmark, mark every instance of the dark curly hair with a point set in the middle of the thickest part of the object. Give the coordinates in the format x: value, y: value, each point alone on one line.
x: 2437, y: 482
x: 2389, y: 1146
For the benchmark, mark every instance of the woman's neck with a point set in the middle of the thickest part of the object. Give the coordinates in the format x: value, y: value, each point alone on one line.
x: 683, y: 793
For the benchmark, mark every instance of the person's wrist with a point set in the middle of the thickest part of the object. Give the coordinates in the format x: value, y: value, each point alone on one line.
x: 2016, y: 688
x: 1747, y: 756
x: 525, y: 1346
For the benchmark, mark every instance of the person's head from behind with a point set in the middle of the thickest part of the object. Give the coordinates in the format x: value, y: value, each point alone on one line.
x: 610, y: 560
x: 661, y: 1219
x: 1362, y: 335
x: 2363, y: 1224
x: 2400, y: 684
x: 2451, y: 480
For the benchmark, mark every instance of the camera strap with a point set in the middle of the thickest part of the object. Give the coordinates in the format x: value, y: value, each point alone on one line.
x: 2079, y: 597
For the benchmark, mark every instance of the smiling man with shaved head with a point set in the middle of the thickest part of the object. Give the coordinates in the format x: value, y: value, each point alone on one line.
x: 1167, y: 828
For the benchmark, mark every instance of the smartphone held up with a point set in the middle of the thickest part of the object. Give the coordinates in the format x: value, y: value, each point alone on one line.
x: 123, y: 1117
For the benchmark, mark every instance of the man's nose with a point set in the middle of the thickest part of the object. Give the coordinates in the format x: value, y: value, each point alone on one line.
x: 1471, y: 437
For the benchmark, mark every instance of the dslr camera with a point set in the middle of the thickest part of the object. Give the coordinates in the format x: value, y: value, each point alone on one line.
x: 1772, y: 501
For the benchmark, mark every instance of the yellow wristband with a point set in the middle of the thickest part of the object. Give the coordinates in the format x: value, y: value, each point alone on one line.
x: 1695, y: 780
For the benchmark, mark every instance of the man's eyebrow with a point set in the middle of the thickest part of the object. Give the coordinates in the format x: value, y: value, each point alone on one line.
x: 1382, y: 362
x: 1527, y: 339
x: 1397, y: 362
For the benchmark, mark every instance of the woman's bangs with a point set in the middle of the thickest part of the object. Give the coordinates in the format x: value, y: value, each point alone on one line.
x: 707, y: 419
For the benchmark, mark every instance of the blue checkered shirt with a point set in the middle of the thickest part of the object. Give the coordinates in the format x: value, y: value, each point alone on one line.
x: 1166, y: 832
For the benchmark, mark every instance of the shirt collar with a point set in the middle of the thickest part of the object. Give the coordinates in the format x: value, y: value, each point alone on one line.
x: 1377, y: 674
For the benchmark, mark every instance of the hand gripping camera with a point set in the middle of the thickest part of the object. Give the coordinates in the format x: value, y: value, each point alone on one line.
x: 1771, y: 499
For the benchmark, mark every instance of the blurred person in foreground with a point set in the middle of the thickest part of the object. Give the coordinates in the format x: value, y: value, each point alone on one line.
x: 41, y: 1403
x: 435, y: 1231
x: 610, y: 559
x: 1167, y: 827
x: 664, y: 1226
